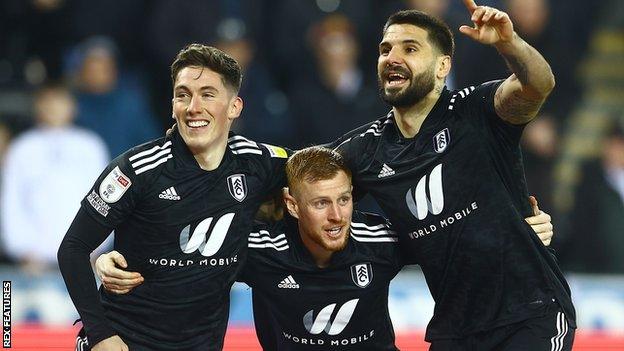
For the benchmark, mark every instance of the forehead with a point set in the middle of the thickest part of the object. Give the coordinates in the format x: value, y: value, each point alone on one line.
x: 333, y: 187
x: 198, y: 76
x: 398, y: 33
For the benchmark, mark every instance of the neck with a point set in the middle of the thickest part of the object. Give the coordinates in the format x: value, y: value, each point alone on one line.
x: 409, y: 119
x: 321, y: 257
x: 210, y: 158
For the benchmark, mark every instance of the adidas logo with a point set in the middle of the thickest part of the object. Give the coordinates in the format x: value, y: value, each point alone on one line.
x: 386, y: 171
x: 169, y: 194
x: 288, y: 283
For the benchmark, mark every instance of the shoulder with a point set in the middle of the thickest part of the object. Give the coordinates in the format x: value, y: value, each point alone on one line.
x: 268, y: 237
x: 372, y: 228
x: 145, y: 158
x: 247, y: 148
x: 367, y: 133
x: 473, y: 95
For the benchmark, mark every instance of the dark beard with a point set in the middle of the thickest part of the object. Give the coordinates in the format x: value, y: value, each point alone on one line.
x: 420, y: 86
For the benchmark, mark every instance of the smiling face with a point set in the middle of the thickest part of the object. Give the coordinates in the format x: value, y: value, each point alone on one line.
x: 323, y: 209
x: 204, y: 108
x: 406, y: 68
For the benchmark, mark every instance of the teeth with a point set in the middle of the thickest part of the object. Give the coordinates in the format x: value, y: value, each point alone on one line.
x: 334, y: 230
x: 197, y: 124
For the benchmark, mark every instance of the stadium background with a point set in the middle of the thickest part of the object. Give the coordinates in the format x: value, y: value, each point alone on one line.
x: 309, y: 69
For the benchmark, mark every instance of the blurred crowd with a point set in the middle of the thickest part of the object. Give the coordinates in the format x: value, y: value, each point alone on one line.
x: 83, y: 80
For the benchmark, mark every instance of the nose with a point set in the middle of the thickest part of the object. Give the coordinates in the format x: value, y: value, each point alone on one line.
x: 393, y: 57
x: 334, y: 213
x: 194, y: 106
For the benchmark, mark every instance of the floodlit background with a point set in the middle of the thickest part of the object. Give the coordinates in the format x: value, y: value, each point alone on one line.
x: 309, y: 76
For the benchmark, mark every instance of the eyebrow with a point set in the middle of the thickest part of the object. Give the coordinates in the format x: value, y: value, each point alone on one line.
x: 206, y: 87
x: 406, y: 41
x: 346, y: 192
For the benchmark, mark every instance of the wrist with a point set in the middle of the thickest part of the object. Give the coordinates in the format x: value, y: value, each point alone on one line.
x: 513, y: 44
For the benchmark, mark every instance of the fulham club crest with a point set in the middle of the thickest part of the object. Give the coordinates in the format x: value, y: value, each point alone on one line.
x: 362, y: 274
x: 237, y: 185
x: 441, y: 140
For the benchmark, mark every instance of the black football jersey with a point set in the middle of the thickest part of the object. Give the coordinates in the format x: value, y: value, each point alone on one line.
x: 185, y: 230
x: 298, y: 306
x: 457, y: 196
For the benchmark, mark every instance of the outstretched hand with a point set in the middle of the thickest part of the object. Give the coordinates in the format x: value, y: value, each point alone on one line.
x: 491, y: 26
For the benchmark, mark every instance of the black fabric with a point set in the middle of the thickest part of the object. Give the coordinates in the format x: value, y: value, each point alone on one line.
x: 290, y: 292
x: 84, y: 235
x: 185, y: 230
x: 549, y: 332
x: 456, y: 193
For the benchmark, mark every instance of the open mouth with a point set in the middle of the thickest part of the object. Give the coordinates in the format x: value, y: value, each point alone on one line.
x: 334, y: 232
x: 197, y: 124
x: 395, y: 79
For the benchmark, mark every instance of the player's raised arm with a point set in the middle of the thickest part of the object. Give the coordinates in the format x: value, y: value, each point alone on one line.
x: 520, y: 97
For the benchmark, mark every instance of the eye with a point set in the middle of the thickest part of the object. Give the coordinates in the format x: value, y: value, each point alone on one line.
x: 411, y: 49
x: 208, y: 95
x: 384, y: 51
x: 320, y: 204
x: 182, y: 95
x: 344, y: 200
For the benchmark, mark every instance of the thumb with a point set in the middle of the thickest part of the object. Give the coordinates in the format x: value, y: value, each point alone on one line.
x: 533, y: 202
x: 469, y: 31
x: 119, y: 260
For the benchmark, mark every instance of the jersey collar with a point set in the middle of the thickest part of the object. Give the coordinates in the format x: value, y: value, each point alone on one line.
x: 185, y: 156
x: 432, y: 119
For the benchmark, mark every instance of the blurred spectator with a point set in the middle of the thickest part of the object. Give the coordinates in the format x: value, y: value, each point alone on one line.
x: 601, y: 103
x: 34, y: 35
x: 290, y: 23
x: 596, y: 240
x: 337, y: 97
x: 121, y: 20
x: 46, y: 173
x: 112, y: 102
x: 540, y: 145
x: 265, y: 114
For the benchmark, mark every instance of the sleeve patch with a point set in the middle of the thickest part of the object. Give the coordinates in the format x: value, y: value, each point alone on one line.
x: 276, y: 151
x: 98, y: 204
x: 114, y: 186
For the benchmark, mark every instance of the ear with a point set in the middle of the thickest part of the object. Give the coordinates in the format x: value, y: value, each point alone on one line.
x: 444, y: 67
x: 291, y: 203
x: 235, y: 108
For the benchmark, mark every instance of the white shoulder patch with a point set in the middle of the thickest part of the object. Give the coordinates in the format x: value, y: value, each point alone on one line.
x: 114, y: 186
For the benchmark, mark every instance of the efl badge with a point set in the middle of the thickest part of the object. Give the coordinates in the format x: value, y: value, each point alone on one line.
x: 362, y: 274
x: 114, y: 186
x: 237, y: 186
x: 441, y: 140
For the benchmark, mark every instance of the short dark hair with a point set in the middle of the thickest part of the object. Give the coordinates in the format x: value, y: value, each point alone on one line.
x: 200, y: 55
x: 439, y: 32
x: 313, y: 164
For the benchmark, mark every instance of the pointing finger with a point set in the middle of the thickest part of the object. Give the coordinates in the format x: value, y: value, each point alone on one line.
x: 470, y: 5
